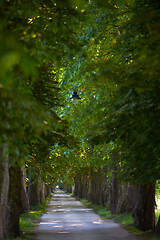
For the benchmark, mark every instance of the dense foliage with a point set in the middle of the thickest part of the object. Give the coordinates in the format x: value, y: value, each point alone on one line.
x: 117, y: 77
x: 35, y: 40
x: 109, y: 53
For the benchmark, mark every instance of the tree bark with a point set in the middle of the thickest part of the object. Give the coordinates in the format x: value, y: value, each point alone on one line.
x: 36, y: 192
x: 24, y: 195
x: 144, y: 214
x: 98, y: 187
x: 105, y: 187
x: 4, y: 186
x: 34, y: 196
x: 89, y: 194
x: 113, y: 201
x: 14, y: 202
x: 78, y: 186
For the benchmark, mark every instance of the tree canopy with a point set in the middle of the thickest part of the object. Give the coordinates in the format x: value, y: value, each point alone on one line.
x: 117, y: 77
x: 109, y: 53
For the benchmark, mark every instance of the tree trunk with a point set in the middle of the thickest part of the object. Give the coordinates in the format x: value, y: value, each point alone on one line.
x: 143, y: 214
x: 42, y: 191
x: 14, y: 202
x: 85, y: 187
x: 105, y: 187
x: 98, y: 187
x: 78, y: 186
x: 36, y: 192
x: 127, y: 198
x: 34, y: 197
x: 4, y: 186
x: 113, y: 193
x: 113, y: 199
x: 24, y: 195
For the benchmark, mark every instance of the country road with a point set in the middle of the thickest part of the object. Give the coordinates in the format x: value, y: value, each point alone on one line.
x: 68, y: 219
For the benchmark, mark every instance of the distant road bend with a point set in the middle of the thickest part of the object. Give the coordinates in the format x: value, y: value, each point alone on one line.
x: 68, y: 219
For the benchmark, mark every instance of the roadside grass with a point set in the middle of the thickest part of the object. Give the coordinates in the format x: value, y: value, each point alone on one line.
x: 125, y: 220
x: 29, y: 221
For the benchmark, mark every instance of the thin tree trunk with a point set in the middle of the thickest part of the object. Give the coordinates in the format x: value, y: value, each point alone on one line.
x: 144, y: 214
x: 78, y: 187
x: 113, y: 199
x: 24, y: 195
x: 4, y: 186
x: 113, y: 194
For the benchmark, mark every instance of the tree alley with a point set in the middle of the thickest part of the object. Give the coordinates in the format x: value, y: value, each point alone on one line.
x: 107, y: 144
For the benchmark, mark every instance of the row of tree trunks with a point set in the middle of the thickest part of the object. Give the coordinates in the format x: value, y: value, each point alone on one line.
x: 98, y: 187
x: 67, y: 189
x: 123, y: 197
x: 37, y: 192
x: 14, y: 198
x: 119, y: 197
x: 4, y: 186
x: 92, y: 187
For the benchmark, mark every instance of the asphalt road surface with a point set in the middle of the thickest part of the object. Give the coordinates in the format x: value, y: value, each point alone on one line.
x: 68, y: 219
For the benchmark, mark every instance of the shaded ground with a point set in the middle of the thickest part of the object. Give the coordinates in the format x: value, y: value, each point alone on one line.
x: 68, y: 219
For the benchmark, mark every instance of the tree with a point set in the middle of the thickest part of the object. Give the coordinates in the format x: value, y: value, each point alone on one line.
x: 109, y: 52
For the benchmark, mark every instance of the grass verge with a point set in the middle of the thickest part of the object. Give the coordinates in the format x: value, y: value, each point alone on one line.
x: 125, y: 220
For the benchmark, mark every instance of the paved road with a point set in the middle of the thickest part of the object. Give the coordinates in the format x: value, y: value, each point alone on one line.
x: 68, y: 219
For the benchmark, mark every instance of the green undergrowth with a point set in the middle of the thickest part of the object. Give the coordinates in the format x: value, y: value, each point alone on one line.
x: 157, y: 214
x: 29, y: 221
x: 125, y: 220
